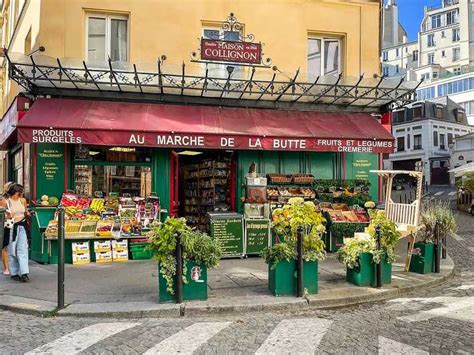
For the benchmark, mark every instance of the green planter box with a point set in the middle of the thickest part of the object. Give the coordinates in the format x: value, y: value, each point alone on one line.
x: 195, y: 289
x: 282, y: 279
x: 423, y: 262
x: 365, y: 275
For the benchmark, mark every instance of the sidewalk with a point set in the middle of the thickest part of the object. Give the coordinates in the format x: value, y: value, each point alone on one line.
x: 129, y: 289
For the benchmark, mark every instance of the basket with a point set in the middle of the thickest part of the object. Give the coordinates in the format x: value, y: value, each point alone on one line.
x: 303, y: 179
x: 279, y: 178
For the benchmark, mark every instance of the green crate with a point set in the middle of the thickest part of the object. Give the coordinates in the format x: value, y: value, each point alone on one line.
x: 193, y: 290
x: 282, y: 278
x: 141, y: 254
x: 423, y: 262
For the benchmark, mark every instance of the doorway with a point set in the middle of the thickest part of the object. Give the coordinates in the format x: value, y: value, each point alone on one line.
x: 205, y: 184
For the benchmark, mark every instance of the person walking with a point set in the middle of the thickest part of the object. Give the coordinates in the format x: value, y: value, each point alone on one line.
x: 6, y: 235
x: 18, y: 242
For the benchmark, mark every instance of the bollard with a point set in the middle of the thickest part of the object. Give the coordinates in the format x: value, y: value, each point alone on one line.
x: 445, y: 242
x: 2, y: 222
x: 61, y: 230
x: 437, y: 253
x: 299, y: 262
x: 179, y: 270
x: 378, y: 268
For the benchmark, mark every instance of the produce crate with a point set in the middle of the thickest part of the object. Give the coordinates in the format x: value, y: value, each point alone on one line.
x: 81, y: 258
x: 282, y: 279
x: 139, y: 251
x: 195, y: 289
x: 423, y: 261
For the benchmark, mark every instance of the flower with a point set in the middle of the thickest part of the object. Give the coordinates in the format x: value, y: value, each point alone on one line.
x: 320, y: 228
x: 416, y: 251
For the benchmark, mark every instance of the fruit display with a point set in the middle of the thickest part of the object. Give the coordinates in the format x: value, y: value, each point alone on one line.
x: 127, y: 212
x: 112, y: 203
x: 272, y: 192
x: 104, y: 229
x: 279, y: 178
x: 303, y: 179
x: 97, y: 205
x: 68, y: 200
x: 72, y: 226
x: 284, y: 192
x: 308, y: 192
x: 51, y: 229
x: 53, y: 201
x: 88, y: 227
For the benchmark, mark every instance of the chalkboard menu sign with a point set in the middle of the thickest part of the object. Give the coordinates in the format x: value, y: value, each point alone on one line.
x: 49, y: 170
x: 227, y: 229
x: 257, y: 235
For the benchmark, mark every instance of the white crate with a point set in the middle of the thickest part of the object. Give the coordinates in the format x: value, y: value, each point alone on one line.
x: 103, y: 257
x: 80, y: 247
x: 120, y: 244
x: 81, y: 258
x: 102, y: 245
x: 120, y: 255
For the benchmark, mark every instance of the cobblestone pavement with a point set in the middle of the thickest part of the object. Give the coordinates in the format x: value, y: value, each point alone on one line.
x: 440, y: 320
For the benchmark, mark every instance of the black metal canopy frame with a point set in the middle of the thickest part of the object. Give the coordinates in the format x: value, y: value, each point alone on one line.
x: 205, y: 83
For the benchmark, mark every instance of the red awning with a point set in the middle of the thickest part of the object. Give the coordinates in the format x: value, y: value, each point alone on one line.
x: 198, y: 127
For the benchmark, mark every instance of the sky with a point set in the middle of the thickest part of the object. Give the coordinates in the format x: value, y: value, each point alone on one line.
x: 411, y: 14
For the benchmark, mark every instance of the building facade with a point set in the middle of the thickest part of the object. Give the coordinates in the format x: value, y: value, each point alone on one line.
x: 425, y: 132
x: 462, y: 152
x: 180, y: 100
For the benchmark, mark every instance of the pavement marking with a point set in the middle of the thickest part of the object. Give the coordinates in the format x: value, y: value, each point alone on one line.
x: 457, y: 237
x: 388, y: 347
x: 81, y: 339
x: 304, y: 337
x: 189, y: 339
x: 439, y: 193
x: 452, y: 193
x: 451, y: 310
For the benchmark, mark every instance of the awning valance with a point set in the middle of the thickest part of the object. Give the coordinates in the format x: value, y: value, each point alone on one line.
x: 200, y: 127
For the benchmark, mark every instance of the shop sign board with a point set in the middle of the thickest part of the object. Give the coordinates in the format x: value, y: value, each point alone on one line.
x: 228, y: 231
x: 257, y: 232
x: 203, y: 141
x: 231, y: 51
x: 50, y: 170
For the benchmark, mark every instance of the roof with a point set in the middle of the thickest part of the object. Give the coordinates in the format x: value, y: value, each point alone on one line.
x: 260, y: 86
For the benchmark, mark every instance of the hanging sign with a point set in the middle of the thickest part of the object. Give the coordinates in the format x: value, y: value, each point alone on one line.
x: 230, y: 51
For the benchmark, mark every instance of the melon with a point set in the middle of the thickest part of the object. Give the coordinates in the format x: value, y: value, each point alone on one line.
x: 44, y: 198
x: 53, y: 201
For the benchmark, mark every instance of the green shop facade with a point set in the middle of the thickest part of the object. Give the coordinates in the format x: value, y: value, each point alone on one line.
x: 139, y: 133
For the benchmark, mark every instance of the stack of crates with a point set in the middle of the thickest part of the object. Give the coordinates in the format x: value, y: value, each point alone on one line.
x: 81, y: 253
x: 139, y: 250
x: 120, y: 250
x: 103, y: 251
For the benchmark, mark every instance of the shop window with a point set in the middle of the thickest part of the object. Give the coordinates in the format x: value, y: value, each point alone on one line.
x: 121, y: 170
x: 18, y: 166
x: 400, y: 144
x: 435, y: 138
x: 417, y: 145
x: 26, y: 169
x: 107, y: 36
x: 324, y: 57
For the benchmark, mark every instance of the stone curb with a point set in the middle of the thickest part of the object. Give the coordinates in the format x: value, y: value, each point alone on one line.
x: 234, y: 306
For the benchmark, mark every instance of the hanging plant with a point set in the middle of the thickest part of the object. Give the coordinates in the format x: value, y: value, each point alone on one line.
x: 198, y: 247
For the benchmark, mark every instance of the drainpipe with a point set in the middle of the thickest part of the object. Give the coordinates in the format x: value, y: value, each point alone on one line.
x: 380, y: 34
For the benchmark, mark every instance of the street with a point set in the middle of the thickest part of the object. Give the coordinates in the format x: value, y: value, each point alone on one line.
x: 440, y: 320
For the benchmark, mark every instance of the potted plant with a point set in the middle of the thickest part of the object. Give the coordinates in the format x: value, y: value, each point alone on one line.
x: 438, y: 223
x: 200, y: 253
x: 360, y: 255
x: 281, y: 258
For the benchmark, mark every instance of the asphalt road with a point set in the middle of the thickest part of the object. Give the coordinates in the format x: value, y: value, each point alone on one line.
x: 440, y: 320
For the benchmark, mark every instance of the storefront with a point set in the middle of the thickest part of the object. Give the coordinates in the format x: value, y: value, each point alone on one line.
x: 120, y: 146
